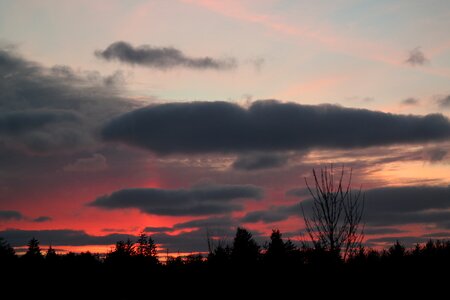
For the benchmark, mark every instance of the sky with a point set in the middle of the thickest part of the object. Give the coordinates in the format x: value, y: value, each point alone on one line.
x: 185, y: 117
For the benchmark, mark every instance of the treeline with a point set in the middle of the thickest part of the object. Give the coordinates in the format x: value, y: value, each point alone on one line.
x: 228, y: 268
x: 244, y: 253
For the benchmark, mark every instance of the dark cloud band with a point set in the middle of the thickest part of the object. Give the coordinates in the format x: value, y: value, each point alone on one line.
x: 259, y: 161
x: 198, y: 200
x: 8, y: 215
x: 60, y: 237
x: 202, y: 127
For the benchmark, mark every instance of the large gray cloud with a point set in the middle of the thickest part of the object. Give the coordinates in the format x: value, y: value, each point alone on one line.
x: 198, y: 200
x: 8, y: 215
x: 160, y: 58
x: 51, y: 110
x: 201, y: 127
x: 60, y: 237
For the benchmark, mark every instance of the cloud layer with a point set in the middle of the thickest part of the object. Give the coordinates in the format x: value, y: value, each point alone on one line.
x: 89, y: 164
x: 407, y: 205
x: 52, y: 110
x: 259, y: 161
x: 198, y: 200
x: 59, y: 237
x: 201, y: 127
x: 160, y: 57
x: 389, y: 206
x: 8, y: 215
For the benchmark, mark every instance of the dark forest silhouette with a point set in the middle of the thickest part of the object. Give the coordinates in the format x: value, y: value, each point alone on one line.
x: 278, y: 262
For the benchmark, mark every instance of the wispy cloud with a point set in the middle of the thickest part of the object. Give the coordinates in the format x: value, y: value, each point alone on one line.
x: 444, y: 102
x: 161, y: 57
x: 416, y: 57
x: 410, y: 101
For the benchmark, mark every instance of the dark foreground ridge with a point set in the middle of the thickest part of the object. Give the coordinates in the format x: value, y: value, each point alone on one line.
x: 243, y: 264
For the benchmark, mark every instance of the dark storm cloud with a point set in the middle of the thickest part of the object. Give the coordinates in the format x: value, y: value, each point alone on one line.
x: 63, y: 237
x: 202, y: 127
x: 444, y: 102
x: 198, y: 200
x: 416, y: 57
x: 160, y: 57
x: 9, y: 215
x: 410, y: 101
x: 51, y: 110
x: 259, y: 161
x: 42, y: 219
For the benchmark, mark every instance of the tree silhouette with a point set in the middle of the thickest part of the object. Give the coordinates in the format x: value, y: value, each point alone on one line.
x: 51, y: 255
x: 145, y: 251
x: 219, y: 257
x: 34, y: 251
x: 145, y: 246
x: 7, y: 252
x: 278, y: 251
x: 122, y: 253
x: 245, y: 250
x: 335, y: 222
x: 397, y: 251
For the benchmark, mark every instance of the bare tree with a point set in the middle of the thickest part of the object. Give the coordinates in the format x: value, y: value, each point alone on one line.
x: 335, y: 221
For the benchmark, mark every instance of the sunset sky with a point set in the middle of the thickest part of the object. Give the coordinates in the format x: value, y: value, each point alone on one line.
x: 184, y: 117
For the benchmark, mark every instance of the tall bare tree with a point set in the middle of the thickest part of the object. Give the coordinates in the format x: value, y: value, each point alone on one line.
x: 335, y: 221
